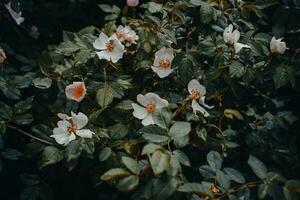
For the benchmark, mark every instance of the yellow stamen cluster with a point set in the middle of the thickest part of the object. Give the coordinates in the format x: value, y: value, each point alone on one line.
x: 110, y: 46
x: 150, y: 107
x: 165, y: 64
x: 195, y: 94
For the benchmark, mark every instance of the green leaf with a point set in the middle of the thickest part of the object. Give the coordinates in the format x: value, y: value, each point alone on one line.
x: 67, y: 48
x: 207, y: 13
x: 73, y: 150
x: 182, y: 157
x: 159, y: 162
x: 162, y: 117
x: 202, y: 133
x: 23, y: 106
x: 11, y: 154
x: 24, y: 119
x: 263, y: 191
x: 104, y: 154
x: 5, y: 111
x: 206, y: 171
x: 195, y: 188
x: 30, y: 179
x: 164, y: 187
x: 281, y: 76
x: 214, y: 160
x: 150, y: 148
x: 51, y: 155
x: 223, y: 180
x: 155, y: 138
x: 30, y: 193
x: 87, y: 145
x: 257, y: 167
x: 236, y: 69
x: 186, y: 70
x: 114, y: 173
x: 105, y: 96
x: 180, y: 129
x: 131, y: 164
x: 42, y: 83
x: 128, y: 183
x: 234, y: 175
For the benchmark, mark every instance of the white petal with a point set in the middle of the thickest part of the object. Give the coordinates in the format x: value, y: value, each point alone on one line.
x: 59, y: 131
x: 154, y: 98
x: 64, y: 139
x: 148, y: 120
x: 80, y: 120
x: 63, y: 116
x: 202, y: 102
x: 168, y: 54
x: 239, y: 46
x: 162, y: 73
x: 142, y: 100
x: 195, y: 85
x: 196, y: 107
x: 235, y: 36
x: 63, y: 124
x: 85, y: 133
x: 103, y: 55
x: 139, y: 111
x: 100, y: 42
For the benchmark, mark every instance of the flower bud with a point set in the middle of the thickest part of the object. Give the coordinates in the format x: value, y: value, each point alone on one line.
x: 277, y: 46
x: 2, y: 56
x: 132, y: 3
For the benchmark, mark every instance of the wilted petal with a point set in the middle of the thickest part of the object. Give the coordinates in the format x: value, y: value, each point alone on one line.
x: 239, y: 46
x: 139, y: 111
x: 80, y: 120
x: 196, y: 107
x: 202, y: 102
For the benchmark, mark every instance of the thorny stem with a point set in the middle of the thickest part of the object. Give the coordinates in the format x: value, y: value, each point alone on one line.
x: 29, y: 135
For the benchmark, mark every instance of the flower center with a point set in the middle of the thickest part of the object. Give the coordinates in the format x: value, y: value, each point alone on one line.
x: 78, y: 92
x: 110, y: 45
x: 150, y: 107
x: 120, y: 34
x: 165, y: 64
x: 72, y: 128
x: 196, y: 94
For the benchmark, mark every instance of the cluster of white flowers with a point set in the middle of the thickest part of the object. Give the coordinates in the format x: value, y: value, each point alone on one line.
x: 71, y: 126
x: 111, y: 48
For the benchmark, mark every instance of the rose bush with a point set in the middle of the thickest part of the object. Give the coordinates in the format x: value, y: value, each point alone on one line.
x: 187, y: 99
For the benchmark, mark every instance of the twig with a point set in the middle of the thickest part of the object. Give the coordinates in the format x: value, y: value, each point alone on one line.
x: 236, y: 189
x: 184, y: 104
x: 29, y: 135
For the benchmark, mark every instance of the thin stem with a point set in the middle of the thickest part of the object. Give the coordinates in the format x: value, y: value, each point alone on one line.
x: 236, y: 189
x: 29, y: 135
x: 179, y: 109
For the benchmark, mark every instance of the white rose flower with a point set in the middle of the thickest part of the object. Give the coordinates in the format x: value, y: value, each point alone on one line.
x: 150, y: 102
x: 76, y: 91
x: 232, y: 37
x: 277, y: 46
x: 197, y: 94
x: 16, y: 16
x: 162, y: 62
x: 125, y: 34
x: 70, y: 127
x: 111, y: 48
